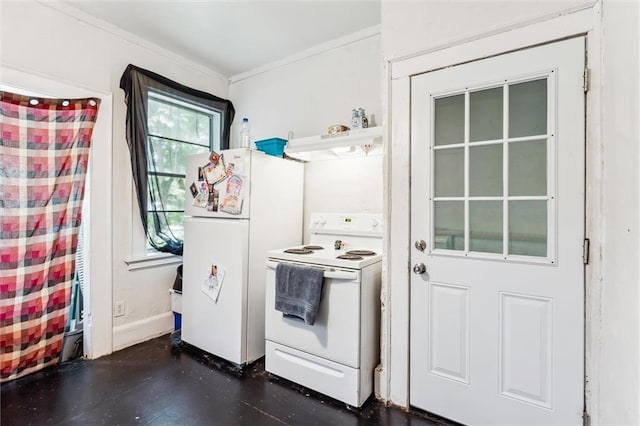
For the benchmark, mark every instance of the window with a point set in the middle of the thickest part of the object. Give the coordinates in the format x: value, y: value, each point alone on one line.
x: 176, y: 130
x: 166, y: 122
x: 492, y: 171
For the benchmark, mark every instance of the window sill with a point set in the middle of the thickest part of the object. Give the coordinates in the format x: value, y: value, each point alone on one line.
x: 154, y: 260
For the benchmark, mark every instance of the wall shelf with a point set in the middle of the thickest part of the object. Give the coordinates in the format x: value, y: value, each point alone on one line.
x: 354, y: 143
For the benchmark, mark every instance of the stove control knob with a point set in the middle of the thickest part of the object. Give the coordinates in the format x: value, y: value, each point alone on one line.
x: 374, y: 223
x: 323, y: 220
x: 315, y: 220
x: 419, y: 268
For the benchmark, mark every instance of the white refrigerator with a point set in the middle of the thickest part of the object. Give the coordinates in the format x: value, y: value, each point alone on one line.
x: 255, y: 206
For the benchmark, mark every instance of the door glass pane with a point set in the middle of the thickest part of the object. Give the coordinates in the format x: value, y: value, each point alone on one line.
x: 449, y: 120
x: 449, y: 172
x: 485, y: 226
x: 528, y: 228
x: 485, y: 170
x: 528, y: 108
x: 528, y: 168
x: 449, y: 225
x: 485, y: 115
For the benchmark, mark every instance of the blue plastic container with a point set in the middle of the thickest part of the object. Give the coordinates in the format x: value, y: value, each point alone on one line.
x: 273, y: 146
x: 177, y: 321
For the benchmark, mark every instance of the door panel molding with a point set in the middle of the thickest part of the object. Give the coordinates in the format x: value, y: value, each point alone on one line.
x: 517, y: 343
x: 449, y: 355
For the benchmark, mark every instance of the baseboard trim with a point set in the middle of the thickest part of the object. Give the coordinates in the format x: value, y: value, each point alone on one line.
x: 142, y: 330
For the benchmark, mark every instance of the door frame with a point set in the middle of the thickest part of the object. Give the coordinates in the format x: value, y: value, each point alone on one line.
x: 393, y: 378
x: 98, y: 321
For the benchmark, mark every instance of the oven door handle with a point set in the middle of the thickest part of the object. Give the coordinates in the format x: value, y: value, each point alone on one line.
x: 328, y: 273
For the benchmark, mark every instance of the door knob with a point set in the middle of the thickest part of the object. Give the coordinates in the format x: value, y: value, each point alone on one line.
x: 421, y: 245
x: 419, y: 268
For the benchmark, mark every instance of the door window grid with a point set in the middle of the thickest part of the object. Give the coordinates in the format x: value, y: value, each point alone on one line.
x: 453, y: 245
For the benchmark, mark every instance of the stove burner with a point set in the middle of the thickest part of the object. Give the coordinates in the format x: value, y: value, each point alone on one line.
x: 350, y: 257
x: 362, y: 252
x: 313, y: 247
x: 298, y: 251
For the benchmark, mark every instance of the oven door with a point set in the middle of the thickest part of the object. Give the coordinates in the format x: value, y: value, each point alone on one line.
x: 335, y: 335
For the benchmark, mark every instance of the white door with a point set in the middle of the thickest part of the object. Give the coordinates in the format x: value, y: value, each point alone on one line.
x: 497, y: 196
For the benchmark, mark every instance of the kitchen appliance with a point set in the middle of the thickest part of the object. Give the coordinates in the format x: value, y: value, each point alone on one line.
x: 255, y: 206
x: 336, y: 355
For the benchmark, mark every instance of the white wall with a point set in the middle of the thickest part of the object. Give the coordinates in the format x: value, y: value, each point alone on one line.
x: 612, y: 341
x: 616, y: 368
x: 52, y: 41
x: 306, y: 96
x: 349, y: 185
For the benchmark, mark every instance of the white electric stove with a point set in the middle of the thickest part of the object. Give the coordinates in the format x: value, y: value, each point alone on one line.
x: 337, y: 355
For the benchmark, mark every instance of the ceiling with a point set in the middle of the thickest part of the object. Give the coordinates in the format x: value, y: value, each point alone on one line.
x: 235, y: 36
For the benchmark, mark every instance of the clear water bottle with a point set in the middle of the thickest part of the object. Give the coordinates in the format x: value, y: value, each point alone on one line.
x: 245, y: 138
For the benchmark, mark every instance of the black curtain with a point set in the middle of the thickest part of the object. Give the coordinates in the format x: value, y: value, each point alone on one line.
x: 136, y: 83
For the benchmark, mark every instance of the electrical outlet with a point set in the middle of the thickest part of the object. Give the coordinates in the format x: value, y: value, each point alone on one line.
x: 119, y: 309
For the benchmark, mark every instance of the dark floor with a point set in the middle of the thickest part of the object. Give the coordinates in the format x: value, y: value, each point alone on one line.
x: 156, y: 383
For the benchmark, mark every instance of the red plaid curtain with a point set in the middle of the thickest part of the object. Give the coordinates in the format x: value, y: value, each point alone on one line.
x: 44, y: 150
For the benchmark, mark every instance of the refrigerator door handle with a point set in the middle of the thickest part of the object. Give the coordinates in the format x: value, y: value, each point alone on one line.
x: 328, y: 273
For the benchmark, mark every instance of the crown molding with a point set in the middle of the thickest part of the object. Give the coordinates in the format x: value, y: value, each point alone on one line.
x: 319, y: 49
